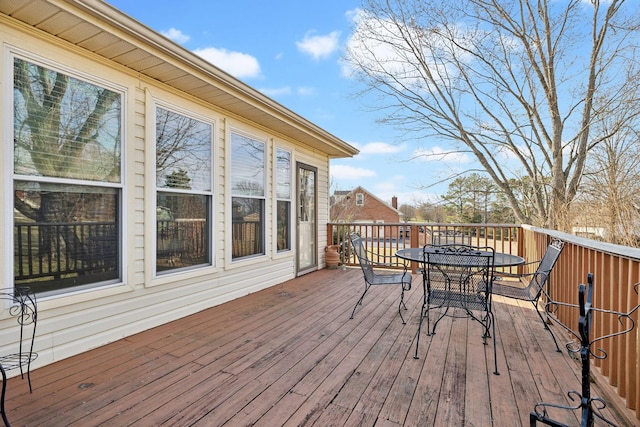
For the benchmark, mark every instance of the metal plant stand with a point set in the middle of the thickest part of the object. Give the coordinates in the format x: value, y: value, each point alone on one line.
x: 589, y: 407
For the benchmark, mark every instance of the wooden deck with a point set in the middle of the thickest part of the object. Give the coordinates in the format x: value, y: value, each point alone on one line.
x: 291, y: 356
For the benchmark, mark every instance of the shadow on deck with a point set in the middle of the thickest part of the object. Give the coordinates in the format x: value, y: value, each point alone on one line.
x: 290, y: 356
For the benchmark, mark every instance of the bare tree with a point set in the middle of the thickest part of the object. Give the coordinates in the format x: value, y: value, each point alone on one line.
x: 611, y: 188
x: 409, y: 211
x: 511, y: 81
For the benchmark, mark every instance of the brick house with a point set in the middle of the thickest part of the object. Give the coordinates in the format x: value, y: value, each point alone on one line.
x: 359, y: 205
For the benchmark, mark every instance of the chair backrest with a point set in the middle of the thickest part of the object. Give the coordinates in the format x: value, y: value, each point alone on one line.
x: 462, y: 270
x: 21, y: 304
x: 361, y: 252
x: 548, y: 261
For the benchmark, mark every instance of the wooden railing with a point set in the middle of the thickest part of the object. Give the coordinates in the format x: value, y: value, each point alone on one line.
x: 615, y: 269
x: 384, y: 239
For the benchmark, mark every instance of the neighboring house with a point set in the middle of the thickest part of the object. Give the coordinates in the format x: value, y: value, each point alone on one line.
x: 359, y: 205
x: 145, y: 183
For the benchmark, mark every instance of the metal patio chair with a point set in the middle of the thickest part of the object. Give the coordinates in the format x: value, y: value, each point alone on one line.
x: 19, y: 303
x: 373, y: 276
x: 457, y: 278
x: 537, y: 281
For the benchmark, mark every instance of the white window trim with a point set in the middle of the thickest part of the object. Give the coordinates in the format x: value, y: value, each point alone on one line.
x: 285, y: 252
x: 8, y: 178
x: 229, y: 262
x: 156, y: 279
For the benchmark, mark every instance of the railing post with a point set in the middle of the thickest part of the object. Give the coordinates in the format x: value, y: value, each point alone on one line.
x: 414, y: 243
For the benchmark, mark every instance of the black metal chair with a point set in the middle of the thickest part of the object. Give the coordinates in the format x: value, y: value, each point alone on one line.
x: 458, y: 277
x: 373, y: 276
x: 536, y: 287
x: 19, y: 303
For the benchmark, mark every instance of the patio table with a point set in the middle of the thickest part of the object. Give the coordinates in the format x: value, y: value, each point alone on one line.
x: 460, y: 285
x: 500, y: 259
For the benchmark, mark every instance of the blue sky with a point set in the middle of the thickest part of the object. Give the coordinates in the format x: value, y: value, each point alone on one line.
x: 291, y: 51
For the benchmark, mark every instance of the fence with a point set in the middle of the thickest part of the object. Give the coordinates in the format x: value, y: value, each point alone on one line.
x: 384, y: 239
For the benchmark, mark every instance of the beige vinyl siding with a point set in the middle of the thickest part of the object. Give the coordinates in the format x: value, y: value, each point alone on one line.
x: 78, y: 321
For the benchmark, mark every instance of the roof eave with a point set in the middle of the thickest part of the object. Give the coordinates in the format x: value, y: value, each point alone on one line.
x: 199, y: 75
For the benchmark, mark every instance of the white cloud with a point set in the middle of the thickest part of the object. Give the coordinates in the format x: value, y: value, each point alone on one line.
x: 305, y: 91
x: 319, y: 47
x: 405, y: 197
x: 389, y: 186
x: 438, y: 154
x: 379, y: 148
x: 175, y: 35
x: 238, y: 64
x: 287, y: 90
x: 350, y: 172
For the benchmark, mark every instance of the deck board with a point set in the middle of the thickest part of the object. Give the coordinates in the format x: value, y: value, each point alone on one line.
x: 290, y: 355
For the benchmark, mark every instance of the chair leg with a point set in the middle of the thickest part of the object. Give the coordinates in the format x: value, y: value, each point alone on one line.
x: 4, y: 389
x: 441, y: 315
x: 366, y: 288
x: 422, y: 309
x: 29, y: 378
x: 402, y: 304
x: 546, y: 326
x: 492, y: 320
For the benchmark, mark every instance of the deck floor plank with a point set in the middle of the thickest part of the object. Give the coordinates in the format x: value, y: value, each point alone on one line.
x: 289, y: 355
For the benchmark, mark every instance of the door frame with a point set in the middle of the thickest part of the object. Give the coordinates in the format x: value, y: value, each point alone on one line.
x: 314, y: 265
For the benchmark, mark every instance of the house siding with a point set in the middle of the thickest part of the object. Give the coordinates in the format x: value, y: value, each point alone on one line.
x: 74, y: 322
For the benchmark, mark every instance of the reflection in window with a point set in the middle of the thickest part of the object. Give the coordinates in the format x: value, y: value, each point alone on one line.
x: 183, y: 200
x: 283, y: 196
x: 248, y: 196
x: 284, y: 234
x: 182, y: 233
x: 66, y: 130
x: 247, y: 166
x: 74, y: 242
x: 247, y: 227
x: 359, y: 199
x: 183, y: 151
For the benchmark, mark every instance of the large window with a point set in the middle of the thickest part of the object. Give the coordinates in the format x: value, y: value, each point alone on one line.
x: 184, y: 191
x: 248, y: 196
x: 67, y: 183
x: 283, y: 199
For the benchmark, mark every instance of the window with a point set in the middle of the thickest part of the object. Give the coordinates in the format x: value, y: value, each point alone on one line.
x: 184, y: 191
x: 248, y: 178
x: 359, y: 199
x: 67, y: 180
x: 283, y: 198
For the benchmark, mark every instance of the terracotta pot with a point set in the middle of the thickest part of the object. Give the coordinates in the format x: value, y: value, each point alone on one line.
x: 331, y: 257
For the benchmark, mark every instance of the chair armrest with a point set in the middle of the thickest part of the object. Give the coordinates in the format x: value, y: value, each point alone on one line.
x: 503, y: 274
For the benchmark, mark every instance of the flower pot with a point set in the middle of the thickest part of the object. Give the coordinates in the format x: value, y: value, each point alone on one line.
x: 331, y: 257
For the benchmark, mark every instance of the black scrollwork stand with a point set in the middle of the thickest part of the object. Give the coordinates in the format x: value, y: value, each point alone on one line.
x: 589, y: 407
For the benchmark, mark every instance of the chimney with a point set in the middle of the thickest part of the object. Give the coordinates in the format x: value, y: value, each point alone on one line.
x: 394, y: 202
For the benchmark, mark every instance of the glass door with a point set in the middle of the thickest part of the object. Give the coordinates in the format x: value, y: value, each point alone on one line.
x: 307, y: 219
